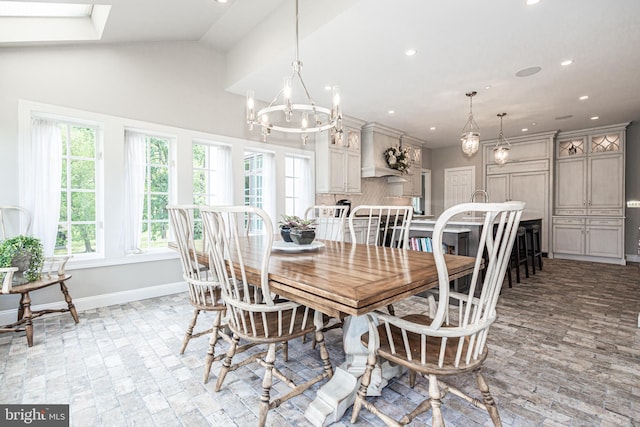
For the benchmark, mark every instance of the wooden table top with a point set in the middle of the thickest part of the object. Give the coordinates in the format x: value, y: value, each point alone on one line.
x: 342, y: 279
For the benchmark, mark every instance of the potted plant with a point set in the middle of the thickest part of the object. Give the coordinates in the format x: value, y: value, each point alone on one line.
x: 297, y: 230
x: 25, y: 253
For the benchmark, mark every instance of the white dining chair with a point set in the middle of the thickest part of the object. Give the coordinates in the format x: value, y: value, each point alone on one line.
x: 204, y: 287
x: 255, y: 314
x: 450, y: 339
x: 330, y: 221
x: 14, y: 220
x: 381, y: 225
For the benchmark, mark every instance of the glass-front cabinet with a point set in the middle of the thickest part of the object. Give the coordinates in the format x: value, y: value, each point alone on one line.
x: 588, y: 218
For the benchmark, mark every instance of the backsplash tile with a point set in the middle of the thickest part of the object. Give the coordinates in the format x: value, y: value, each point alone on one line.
x: 375, y: 191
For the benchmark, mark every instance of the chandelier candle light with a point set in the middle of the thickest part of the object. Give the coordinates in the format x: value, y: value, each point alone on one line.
x: 501, y: 150
x: 302, y: 118
x: 471, y: 131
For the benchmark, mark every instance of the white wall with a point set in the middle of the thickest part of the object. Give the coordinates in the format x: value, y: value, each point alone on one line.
x: 174, y: 84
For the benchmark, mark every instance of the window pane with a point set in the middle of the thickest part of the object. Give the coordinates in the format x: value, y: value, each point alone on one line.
x: 61, y: 241
x: 63, y: 207
x: 84, y: 238
x: 159, y: 206
x: 83, y: 174
x: 83, y: 206
x: 82, y: 141
x: 159, y: 179
x: 159, y: 151
x: 199, y: 160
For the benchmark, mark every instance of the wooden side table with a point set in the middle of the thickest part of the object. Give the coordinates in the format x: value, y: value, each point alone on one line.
x: 25, y: 314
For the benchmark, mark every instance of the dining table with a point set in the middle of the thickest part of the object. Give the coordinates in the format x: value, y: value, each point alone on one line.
x: 347, y: 281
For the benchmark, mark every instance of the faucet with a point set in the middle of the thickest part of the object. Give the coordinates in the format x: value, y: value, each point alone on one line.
x: 482, y: 193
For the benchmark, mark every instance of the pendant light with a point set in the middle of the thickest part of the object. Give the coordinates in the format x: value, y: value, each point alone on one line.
x: 286, y: 115
x: 471, y: 131
x: 501, y: 150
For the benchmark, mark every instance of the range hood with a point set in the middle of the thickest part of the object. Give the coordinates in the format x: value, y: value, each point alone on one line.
x: 376, y: 138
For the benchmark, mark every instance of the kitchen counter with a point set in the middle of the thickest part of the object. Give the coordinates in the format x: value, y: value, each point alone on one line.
x: 470, y: 220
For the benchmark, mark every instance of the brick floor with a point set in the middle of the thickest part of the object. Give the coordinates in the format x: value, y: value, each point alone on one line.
x: 565, y: 351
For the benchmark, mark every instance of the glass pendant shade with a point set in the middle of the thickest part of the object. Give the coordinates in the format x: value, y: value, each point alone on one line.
x: 470, y: 143
x: 501, y: 150
x: 471, y: 131
x: 501, y: 155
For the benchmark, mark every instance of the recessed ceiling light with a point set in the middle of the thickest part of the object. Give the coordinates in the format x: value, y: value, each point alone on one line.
x: 525, y: 129
x: 487, y: 87
x: 391, y: 111
x: 411, y: 52
x: 328, y: 87
x: 566, y: 62
x: 221, y: 1
x: 432, y: 128
x: 568, y: 116
x: 530, y: 71
x: 532, y: 2
x: 583, y: 97
x: 595, y: 118
x: 533, y: 123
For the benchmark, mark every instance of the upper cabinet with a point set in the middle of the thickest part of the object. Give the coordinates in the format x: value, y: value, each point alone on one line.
x: 590, y: 172
x: 338, y: 160
x: 412, y: 187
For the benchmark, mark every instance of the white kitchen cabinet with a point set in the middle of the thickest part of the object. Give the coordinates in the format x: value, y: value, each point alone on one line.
x: 530, y: 186
x: 590, y: 175
x: 412, y: 187
x: 338, y: 162
x: 588, y: 238
x: 589, y: 196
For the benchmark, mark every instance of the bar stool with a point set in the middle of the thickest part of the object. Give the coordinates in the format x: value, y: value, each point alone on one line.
x: 533, y: 233
x: 519, y: 255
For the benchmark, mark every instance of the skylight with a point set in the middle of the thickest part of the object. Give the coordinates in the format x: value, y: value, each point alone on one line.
x: 17, y: 9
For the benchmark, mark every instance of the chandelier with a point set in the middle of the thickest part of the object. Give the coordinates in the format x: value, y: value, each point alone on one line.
x: 471, y: 131
x: 501, y: 150
x: 283, y: 114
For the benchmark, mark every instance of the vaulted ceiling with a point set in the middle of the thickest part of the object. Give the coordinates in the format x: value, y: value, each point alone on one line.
x: 461, y: 46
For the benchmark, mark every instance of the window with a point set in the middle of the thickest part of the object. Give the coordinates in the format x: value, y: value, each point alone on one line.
x: 212, y: 183
x: 297, y: 178
x: 212, y: 178
x: 155, y: 219
x: 78, y: 226
x: 253, y: 186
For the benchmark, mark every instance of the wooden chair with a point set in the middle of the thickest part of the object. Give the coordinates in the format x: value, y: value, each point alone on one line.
x: 204, y: 287
x: 330, y: 221
x: 53, y: 274
x: 255, y: 315
x: 383, y: 226
x: 452, y: 338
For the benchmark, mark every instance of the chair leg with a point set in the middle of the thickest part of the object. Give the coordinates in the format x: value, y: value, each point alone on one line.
x: 226, y: 364
x: 211, y: 353
x: 265, y: 397
x: 189, y: 334
x: 488, y: 399
x: 361, y: 395
x: 434, y: 397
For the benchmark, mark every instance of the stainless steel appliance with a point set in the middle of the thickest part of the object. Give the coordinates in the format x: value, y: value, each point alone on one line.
x: 344, y: 202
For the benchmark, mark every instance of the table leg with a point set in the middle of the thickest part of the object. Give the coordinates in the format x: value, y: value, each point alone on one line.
x: 67, y: 298
x: 20, y: 309
x: 25, y: 308
x: 338, y: 394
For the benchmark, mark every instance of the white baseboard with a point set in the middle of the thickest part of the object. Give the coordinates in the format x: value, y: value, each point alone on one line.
x: 633, y: 258
x: 87, y: 303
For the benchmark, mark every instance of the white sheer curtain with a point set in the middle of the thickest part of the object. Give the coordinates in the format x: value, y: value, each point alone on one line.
x: 135, y: 166
x: 42, y: 177
x: 224, y: 176
x: 308, y: 192
x: 269, y: 185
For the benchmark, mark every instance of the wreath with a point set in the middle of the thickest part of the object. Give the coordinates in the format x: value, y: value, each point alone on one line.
x: 398, y: 159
